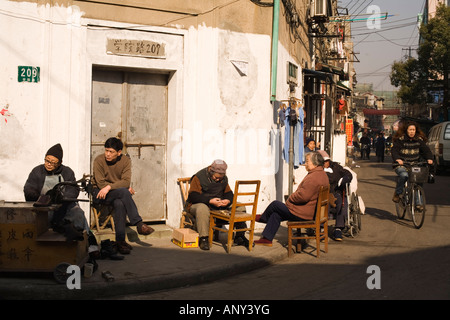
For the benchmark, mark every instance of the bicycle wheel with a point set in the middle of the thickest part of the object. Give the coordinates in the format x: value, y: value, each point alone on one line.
x: 418, y: 212
x: 356, y: 211
x: 402, y: 205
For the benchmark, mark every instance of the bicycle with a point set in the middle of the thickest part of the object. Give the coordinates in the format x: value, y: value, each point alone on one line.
x: 413, y: 197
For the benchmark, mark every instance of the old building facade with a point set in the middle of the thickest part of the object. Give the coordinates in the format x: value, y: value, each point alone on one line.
x: 181, y: 82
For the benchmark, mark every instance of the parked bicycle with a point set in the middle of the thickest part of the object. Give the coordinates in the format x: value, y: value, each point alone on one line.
x: 413, y: 197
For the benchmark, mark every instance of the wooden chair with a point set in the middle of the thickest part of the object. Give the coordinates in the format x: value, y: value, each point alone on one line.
x: 232, y: 216
x: 186, y: 218
x: 321, y: 218
x: 99, y: 211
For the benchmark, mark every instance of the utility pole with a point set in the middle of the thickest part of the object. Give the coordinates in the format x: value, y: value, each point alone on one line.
x: 409, y: 52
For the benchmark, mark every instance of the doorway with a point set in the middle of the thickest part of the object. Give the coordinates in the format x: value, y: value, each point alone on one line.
x: 132, y: 106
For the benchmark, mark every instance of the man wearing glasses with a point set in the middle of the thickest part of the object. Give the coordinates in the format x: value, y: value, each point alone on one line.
x: 69, y: 218
x: 209, y: 190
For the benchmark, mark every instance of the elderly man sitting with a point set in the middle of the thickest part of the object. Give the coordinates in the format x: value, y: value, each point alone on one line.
x: 209, y: 190
x: 300, y: 205
x: 338, y: 177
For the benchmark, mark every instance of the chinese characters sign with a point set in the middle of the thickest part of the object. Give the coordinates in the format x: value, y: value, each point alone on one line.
x: 349, y: 131
x: 28, y: 74
x: 139, y: 48
x: 16, y: 245
x: 26, y: 243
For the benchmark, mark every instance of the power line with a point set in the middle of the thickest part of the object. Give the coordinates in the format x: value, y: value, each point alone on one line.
x: 381, y: 40
x: 387, y: 29
x: 397, y: 44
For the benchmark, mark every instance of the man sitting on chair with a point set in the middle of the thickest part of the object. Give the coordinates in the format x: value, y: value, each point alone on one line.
x: 111, y: 181
x: 338, y: 177
x: 209, y: 190
x: 69, y: 218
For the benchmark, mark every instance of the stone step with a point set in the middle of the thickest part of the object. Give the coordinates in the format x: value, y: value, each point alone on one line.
x: 161, y: 231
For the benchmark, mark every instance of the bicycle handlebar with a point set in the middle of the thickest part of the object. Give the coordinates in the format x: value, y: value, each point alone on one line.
x: 415, y: 163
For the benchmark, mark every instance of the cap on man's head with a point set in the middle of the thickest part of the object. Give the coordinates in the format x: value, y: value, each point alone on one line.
x: 324, y: 155
x: 219, y: 166
x: 56, y: 151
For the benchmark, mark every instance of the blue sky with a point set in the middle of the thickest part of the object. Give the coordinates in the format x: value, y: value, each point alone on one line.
x: 379, y: 46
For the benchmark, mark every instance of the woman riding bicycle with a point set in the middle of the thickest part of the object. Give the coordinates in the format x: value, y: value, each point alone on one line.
x: 409, y: 146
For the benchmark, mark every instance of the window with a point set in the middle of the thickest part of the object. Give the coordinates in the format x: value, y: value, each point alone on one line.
x: 447, y: 132
x: 433, y: 134
x: 292, y: 73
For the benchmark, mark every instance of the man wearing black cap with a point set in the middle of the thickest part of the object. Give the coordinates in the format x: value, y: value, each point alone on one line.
x: 43, y: 178
x: 209, y: 190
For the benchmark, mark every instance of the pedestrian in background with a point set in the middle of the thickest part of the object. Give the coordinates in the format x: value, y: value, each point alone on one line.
x: 380, y: 146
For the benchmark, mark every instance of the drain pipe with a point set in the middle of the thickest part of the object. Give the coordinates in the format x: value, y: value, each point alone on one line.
x: 275, y: 23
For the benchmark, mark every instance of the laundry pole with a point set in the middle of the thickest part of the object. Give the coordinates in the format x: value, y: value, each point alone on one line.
x: 291, y: 158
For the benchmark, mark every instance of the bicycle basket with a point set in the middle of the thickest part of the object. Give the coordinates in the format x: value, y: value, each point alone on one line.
x: 419, y: 174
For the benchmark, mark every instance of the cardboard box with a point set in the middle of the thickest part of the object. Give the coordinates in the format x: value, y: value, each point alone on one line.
x: 185, y: 238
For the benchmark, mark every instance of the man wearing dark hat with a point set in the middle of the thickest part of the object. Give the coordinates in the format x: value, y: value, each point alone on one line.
x: 43, y: 178
x: 209, y: 190
x: 310, y: 145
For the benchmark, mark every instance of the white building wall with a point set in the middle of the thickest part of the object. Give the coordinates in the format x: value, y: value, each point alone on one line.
x: 41, y: 113
x: 219, y: 97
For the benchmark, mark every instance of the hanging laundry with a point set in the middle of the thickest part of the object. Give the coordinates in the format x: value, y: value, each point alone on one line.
x: 280, y: 108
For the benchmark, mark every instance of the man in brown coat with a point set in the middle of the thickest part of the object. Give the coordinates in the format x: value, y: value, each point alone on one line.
x: 111, y: 181
x: 300, y: 205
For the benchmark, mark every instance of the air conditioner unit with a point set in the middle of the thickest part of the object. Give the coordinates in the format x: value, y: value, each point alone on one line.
x: 318, y: 8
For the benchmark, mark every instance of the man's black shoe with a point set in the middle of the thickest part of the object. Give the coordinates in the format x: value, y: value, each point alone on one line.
x: 242, y: 241
x: 204, y: 243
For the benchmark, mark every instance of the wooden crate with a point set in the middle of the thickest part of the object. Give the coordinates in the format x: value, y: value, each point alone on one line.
x: 27, y: 244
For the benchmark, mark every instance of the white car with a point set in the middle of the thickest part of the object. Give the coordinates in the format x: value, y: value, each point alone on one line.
x: 439, y: 143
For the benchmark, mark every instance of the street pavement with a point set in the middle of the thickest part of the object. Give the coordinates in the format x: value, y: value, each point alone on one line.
x: 412, y: 264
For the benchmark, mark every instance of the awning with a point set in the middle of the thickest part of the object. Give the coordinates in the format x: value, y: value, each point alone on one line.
x: 381, y: 112
x: 318, y: 74
x: 342, y: 86
x: 329, y: 68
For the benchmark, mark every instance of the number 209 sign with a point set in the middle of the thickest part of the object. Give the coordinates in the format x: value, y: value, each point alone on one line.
x: 28, y: 74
